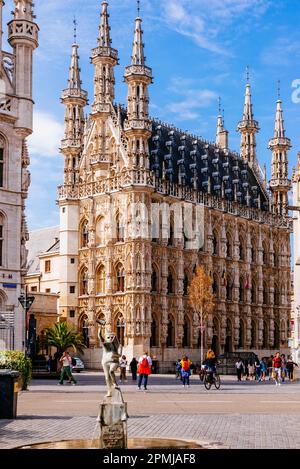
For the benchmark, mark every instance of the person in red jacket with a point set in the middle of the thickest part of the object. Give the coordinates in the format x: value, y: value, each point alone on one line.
x: 144, y: 370
x: 276, y: 365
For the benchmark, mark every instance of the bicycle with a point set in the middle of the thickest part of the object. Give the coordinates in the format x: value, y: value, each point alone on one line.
x: 211, y: 378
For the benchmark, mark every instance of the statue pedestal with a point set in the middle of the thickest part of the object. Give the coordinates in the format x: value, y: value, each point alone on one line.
x: 113, y: 422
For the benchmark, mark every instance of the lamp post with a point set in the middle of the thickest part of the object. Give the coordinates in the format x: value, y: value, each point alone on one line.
x: 26, y: 302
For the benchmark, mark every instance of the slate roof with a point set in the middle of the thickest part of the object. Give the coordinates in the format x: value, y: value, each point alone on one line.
x: 41, y: 242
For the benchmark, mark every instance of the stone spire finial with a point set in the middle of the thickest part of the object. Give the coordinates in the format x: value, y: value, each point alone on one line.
x: 248, y: 127
x: 24, y: 10
x: 138, y: 56
x: 222, y: 134
x: 104, y: 39
x: 279, y: 131
x: 74, y: 81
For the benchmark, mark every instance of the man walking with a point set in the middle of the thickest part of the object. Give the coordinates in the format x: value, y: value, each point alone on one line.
x: 144, y: 370
x: 66, y: 362
x: 239, y: 369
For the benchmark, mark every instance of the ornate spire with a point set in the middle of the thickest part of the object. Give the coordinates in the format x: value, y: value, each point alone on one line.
x: 222, y: 134
x: 280, y: 145
x: 24, y: 10
x: 74, y: 82
x: 138, y: 56
x: 104, y: 39
x: 105, y: 58
x: 1, y: 23
x: 248, y: 127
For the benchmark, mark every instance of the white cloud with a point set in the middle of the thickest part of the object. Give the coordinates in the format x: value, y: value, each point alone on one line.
x: 47, y: 133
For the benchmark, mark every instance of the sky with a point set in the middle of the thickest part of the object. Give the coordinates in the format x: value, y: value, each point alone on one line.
x: 198, y: 49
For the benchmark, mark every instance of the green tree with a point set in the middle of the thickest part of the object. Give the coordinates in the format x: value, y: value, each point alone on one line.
x: 63, y: 336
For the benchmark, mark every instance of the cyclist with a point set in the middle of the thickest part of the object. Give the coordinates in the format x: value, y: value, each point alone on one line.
x: 210, y: 363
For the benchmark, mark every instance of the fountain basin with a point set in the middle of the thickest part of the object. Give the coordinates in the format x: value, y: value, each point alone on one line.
x: 133, y: 443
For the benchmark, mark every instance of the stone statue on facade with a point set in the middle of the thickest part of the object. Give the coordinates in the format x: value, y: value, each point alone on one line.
x: 111, y: 354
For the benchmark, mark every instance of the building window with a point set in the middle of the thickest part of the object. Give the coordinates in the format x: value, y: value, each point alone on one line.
x: 170, y: 282
x: 121, y: 330
x: 171, y: 332
x: 1, y: 239
x: 72, y: 289
x: 229, y: 247
x: 154, y: 280
x: 64, y: 210
x: 185, y: 284
x: 242, y: 250
x: 72, y: 313
x: 241, y: 290
x: 215, y: 243
x: 186, y: 332
x: 215, y: 285
x: 154, y: 332
x: 120, y: 278
x: 120, y: 228
x: 33, y: 289
x: 100, y: 280
x: 48, y: 290
x: 47, y: 266
x: 72, y: 260
x: 1, y: 167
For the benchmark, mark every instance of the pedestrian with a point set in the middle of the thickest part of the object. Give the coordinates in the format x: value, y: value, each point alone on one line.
x: 66, y: 362
x: 263, y: 369
x: 185, y: 371
x: 133, y: 367
x: 283, y: 367
x: 144, y: 370
x: 239, y: 369
x: 246, y: 364
x: 290, y: 365
x: 178, y: 369
x: 257, y: 370
x: 251, y: 368
x: 270, y: 366
x: 50, y: 364
x: 123, y: 366
x: 276, y: 365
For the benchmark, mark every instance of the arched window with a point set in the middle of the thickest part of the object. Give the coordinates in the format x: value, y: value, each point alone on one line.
x: 229, y: 247
x: 154, y: 279
x: 186, y: 332
x: 276, y: 336
x: 120, y: 272
x: 83, y: 282
x: 276, y: 259
x: 253, y: 253
x: 253, y: 293
x: 100, y: 232
x: 241, y: 334
x: 215, y: 284
x: 120, y: 323
x: 170, y: 282
x: 171, y: 332
x: 171, y: 234
x: 154, y: 332
x: 241, y: 290
x: 215, y: 243
x: 242, y: 252
x: 84, y: 234
x: 265, y: 294
x: 229, y: 287
x: 1, y: 240
x: 120, y: 228
x: 265, y: 254
x: 253, y: 334
x: 100, y: 280
x: 265, y: 335
x: 276, y: 295
x: 185, y: 283
x: 1, y: 162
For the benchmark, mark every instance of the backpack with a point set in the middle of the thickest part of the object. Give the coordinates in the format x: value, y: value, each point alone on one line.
x: 186, y: 366
x: 145, y: 362
x: 74, y: 363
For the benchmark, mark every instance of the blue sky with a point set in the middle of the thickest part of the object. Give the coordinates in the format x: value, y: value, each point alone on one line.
x: 198, y: 50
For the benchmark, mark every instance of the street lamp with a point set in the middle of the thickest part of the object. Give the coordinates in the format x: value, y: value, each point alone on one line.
x: 26, y: 302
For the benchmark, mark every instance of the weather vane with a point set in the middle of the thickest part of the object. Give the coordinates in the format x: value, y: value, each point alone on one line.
x: 138, y: 7
x: 279, y: 89
x: 75, y: 29
x: 220, y: 101
x: 248, y: 74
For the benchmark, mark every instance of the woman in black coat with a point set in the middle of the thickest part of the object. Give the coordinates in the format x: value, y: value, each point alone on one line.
x: 133, y: 367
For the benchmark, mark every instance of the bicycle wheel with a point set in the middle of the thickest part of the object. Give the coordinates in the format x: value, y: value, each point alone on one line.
x: 207, y: 382
x: 201, y: 376
x: 217, y: 381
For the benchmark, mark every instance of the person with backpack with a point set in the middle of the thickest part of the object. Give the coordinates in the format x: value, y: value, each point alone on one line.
x: 123, y: 366
x: 133, y: 367
x: 144, y: 370
x: 185, y: 371
x: 66, y: 372
x: 290, y: 364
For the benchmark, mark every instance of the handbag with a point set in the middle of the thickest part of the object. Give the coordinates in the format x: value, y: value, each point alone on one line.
x: 274, y: 374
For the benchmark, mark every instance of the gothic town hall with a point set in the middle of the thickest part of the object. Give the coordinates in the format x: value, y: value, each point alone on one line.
x: 114, y: 265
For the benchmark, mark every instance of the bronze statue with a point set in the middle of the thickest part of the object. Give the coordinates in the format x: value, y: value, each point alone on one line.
x: 112, y: 351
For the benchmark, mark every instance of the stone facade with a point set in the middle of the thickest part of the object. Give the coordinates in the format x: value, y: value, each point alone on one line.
x: 16, y: 108
x: 118, y: 164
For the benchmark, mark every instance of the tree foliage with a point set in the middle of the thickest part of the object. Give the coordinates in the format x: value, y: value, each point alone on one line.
x: 16, y: 361
x: 201, y: 297
x: 63, y: 336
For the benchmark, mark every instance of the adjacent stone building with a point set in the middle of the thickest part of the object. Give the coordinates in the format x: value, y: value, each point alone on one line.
x: 16, y: 109
x: 125, y: 253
